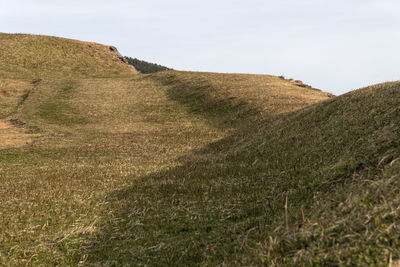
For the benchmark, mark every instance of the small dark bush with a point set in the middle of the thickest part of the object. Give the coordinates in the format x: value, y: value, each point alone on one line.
x: 144, y: 66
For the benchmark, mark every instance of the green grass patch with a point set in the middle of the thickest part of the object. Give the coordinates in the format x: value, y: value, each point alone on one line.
x: 29, y: 156
x: 11, y: 157
x: 59, y: 113
x: 58, y: 110
x: 67, y: 89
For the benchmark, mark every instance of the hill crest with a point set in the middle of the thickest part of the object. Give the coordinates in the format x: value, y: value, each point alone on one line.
x: 35, y: 56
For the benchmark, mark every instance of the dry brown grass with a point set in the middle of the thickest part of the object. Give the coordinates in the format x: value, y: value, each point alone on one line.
x: 11, y: 94
x: 12, y: 137
x: 228, y: 100
x: 96, y: 135
x: 26, y: 59
x: 34, y: 56
x: 272, y: 95
x: 131, y: 129
x: 182, y: 168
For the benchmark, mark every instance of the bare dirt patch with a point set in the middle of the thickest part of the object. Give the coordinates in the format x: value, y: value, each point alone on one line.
x: 4, y: 125
x: 11, y: 136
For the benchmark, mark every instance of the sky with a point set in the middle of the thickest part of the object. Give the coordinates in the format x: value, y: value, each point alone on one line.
x: 336, y: 46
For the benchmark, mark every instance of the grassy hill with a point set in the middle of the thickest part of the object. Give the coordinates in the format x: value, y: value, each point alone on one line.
x: 34, y: 57
x: 103, y: 166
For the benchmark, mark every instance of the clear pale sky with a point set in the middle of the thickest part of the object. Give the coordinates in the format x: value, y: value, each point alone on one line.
x: 336, y: 45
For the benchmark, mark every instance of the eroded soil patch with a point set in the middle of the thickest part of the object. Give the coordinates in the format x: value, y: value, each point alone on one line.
x: 4, y: 125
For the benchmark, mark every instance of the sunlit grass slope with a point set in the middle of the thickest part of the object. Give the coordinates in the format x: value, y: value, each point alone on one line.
x: 99, y: 167
x: 29, y: 60
x: 228, y: 100
x: 33, y: 57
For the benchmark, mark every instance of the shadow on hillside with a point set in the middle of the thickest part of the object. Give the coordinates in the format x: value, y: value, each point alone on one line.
x: 219, y: 209
x: 203, y: 210
x: 200, y: 98
x: 170, y: 207
x: 182, y: 215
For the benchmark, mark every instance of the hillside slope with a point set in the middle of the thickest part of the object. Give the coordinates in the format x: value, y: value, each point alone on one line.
x: 102, y: 167
x: 93, y: 136
x: 70, y: 139
x: 336, y: 165
x: 29, y: 60
x: 231, y: 100
x: 35, y: 57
